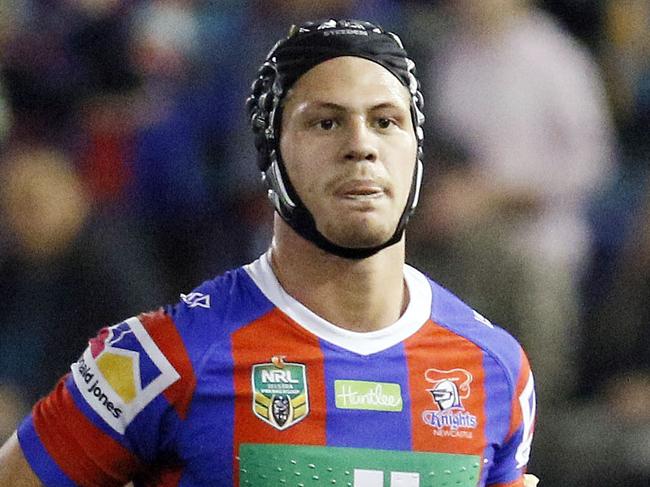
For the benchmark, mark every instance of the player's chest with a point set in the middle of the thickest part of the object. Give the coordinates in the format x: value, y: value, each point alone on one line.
x: 308, y: 413
x: 424, y: 400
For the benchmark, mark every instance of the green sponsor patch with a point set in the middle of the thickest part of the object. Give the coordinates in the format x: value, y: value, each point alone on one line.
x: 373, y: 396
x: 266, y: 465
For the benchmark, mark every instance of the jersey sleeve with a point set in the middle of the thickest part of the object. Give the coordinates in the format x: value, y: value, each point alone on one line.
x: 116, y: 412
x: 512, y: 457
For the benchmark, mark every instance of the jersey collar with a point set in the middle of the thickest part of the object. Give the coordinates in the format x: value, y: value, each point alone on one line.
x: 414, y: 317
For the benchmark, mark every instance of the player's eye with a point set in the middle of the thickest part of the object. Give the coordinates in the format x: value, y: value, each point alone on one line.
x: 326, y: 124
x: 384, y: 123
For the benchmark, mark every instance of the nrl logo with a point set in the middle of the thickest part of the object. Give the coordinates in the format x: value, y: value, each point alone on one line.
x: 280, y: 396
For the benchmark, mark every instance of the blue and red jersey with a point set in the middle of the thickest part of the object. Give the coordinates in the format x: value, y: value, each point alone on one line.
x: 240, y: 384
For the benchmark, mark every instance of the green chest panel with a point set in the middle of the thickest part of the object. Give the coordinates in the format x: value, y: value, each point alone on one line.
x: 263, y: 465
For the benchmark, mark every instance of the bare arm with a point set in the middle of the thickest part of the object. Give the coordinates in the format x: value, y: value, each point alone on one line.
x: 14, y: 469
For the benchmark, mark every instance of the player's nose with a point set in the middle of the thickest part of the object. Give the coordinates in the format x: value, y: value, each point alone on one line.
x: 360, y: 142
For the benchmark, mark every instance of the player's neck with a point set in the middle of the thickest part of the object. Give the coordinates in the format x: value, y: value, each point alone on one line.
x: 358, y: 295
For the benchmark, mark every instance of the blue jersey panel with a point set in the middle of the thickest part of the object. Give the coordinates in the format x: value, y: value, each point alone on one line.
x: 387, y: 429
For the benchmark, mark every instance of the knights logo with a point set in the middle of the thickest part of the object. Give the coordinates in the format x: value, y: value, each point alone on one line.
x: 449, y: 387
x: 280, y: 395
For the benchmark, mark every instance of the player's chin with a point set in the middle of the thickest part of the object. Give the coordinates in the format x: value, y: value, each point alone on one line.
x: 359, y: 233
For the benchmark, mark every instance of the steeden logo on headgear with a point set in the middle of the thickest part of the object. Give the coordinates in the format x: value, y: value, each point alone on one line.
x: 353, y: 32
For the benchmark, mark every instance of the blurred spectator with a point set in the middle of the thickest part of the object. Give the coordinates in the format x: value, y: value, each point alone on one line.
x: 626, y: 56
x: 610, y: 430
x: 618, y: 335
x: 108, y: 124
x: 191, y: 92
x: 616, y: 281
x: 98, y: 40
x: 106, y: 113
x: 524, y: 103
x: 42, y: 83
x: 64, y: 273
x: 624, y: 347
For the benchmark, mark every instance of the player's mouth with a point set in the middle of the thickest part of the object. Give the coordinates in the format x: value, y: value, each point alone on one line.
x: 360, y: 190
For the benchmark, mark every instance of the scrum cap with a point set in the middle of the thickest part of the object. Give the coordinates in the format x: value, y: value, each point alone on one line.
x: 306, y: 46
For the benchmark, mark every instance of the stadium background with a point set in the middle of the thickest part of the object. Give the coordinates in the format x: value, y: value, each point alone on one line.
x: 127, y: 176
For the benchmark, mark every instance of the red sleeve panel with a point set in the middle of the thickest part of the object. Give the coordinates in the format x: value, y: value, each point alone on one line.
x: 63, y: 431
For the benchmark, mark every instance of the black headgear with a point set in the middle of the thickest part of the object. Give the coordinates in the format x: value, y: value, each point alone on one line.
x: 306, y: 46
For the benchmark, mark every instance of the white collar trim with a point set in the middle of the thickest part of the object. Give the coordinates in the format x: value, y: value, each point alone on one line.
x: 417, y: 312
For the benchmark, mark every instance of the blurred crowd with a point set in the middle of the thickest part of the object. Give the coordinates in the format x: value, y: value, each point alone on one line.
x: 127, y: 176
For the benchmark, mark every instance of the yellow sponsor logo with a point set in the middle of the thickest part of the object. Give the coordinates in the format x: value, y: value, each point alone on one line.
x: 119, y: 372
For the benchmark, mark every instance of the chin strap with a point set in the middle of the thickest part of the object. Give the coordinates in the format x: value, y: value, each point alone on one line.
x: 298, y: 217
